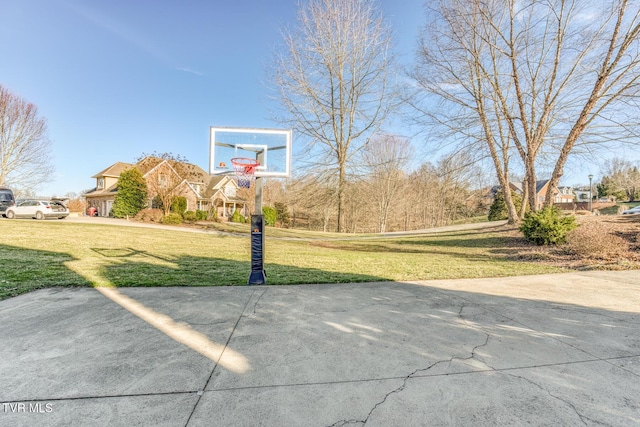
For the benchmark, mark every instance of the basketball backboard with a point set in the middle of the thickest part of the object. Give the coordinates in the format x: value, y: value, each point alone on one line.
x: 270, y: 147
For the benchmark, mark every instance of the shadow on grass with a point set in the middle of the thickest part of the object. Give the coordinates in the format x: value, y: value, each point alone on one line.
x: 420, y: 244
x: 125, y: 253
x: 25, y: 270
x: 201, y: 271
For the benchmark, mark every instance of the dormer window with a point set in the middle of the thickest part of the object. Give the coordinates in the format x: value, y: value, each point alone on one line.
x: 100, y: 184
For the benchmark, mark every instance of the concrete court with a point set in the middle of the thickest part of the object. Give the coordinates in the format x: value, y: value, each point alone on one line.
x: 560, y: 349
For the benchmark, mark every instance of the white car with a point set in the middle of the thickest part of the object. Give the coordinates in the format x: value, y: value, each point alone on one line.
x: 38, y: 209
x: 632, y: 211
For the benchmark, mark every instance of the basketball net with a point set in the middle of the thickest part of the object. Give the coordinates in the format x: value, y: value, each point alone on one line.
x: 245, y: 170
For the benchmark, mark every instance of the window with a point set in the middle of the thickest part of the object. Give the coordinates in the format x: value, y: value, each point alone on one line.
x: 162, y: 180
x: 100, y: 183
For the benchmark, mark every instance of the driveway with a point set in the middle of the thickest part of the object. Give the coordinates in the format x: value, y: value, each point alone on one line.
x: 560, y: 349
x: 133, y: 223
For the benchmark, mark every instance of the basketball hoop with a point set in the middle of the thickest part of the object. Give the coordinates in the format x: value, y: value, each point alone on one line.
x: 245, y: 170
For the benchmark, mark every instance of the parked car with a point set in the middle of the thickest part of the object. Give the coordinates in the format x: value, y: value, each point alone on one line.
x: 38, y: 209
x: 632, y: 211
x: 6, y: 200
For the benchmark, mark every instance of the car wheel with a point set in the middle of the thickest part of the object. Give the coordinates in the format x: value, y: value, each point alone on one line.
x: 39, y: 215
x: 10, y: 214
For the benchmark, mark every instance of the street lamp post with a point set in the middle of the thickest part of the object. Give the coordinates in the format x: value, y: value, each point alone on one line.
x: 590, y: 194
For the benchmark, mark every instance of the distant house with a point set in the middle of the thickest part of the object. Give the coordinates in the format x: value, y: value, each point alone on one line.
x: 561, y: 194
x: 201, y: 190
x: 582, y: 195
x: 565, y: 195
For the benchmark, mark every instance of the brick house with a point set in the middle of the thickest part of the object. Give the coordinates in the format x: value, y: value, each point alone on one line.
x: 201, y: 190
x: 561, y: 194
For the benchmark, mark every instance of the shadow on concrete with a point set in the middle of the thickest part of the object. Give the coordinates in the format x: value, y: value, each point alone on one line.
x: 447, y: 355
x: 543, y: 350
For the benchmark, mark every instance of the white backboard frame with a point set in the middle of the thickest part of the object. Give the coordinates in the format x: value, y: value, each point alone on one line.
x: 266, y: 169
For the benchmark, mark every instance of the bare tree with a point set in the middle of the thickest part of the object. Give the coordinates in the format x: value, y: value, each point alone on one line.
x: 356, y: 209
x: 385, y: 159
x: 438, y: 193
x: 24, y: 145
x: 333, y: 80
x: 611, y: 71
x: 622, y: 176
x: 315, y: 197
x: 456, y: 62
x: 532, y: 77
x: 167, y: 176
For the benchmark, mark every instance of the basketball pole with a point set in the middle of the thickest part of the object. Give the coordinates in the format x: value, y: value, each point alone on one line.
x: 258, y: 275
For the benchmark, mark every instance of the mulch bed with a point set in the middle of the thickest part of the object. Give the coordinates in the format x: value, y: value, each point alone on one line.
x: 607, y: 242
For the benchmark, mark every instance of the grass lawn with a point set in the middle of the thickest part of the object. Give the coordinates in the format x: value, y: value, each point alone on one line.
x: 40, y: 254
x: 613, y: 210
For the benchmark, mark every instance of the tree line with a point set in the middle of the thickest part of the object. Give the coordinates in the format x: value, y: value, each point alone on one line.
x: 385, y: 197
x: 512, y: 82
x: 515, y: 84
x: 621, y: 180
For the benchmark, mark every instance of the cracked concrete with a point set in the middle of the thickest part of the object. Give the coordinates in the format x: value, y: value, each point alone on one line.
x: 542, y: 350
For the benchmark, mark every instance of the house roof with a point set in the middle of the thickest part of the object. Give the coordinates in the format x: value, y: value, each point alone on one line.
x: 189, y: 171
x: 194, y: 175
x: 102, y: 192
x: 114, y: 170
x: 148, y: 163
x: 199, y: 175
x: 518, y: 186
x: 214, y: 184
x: 540, y: 185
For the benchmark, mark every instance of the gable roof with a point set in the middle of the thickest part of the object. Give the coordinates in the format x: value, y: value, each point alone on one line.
x: 198, y: 175
x: 212, y: 184
x: 114, y: 170
x: 194, y: 173
x: 149, y: 163
x: 519, y: 187
x: 215, y: 184
x: 540, y: 185
x: 102, y: 192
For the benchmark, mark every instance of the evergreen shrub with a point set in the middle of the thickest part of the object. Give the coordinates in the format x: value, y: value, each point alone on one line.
x: 547, y: 226
x: 201, y: 215
x: 179, y: 205
x: 237, y: 217
x: 190, y: 216
x: 270, y: 215
x: 172, y: 219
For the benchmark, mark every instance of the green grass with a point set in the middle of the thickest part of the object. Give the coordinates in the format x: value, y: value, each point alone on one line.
x: 232, y: 227
x: 40, y: 254
x: 613, y: 210
x: 472, y: 220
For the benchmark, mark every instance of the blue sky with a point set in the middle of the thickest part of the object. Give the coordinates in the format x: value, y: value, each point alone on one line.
x: 118, y: 78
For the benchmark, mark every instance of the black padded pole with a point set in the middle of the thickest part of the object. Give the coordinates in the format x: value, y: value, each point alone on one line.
x: 257, y: 276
